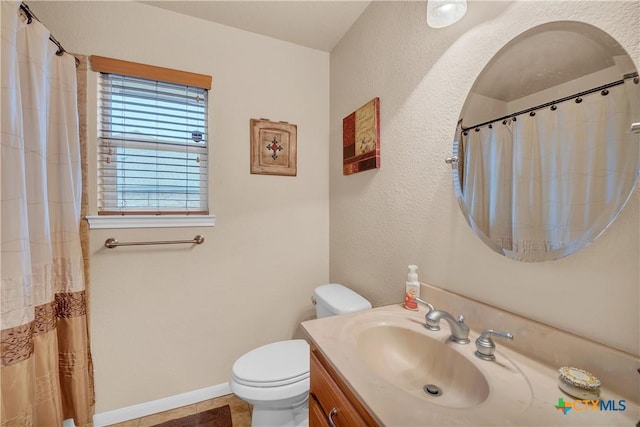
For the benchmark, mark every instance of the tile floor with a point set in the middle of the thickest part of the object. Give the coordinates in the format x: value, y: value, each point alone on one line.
x: 240, y: 412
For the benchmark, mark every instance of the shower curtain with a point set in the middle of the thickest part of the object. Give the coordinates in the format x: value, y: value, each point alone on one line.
x: 542, y: 183
x: 46, y: 363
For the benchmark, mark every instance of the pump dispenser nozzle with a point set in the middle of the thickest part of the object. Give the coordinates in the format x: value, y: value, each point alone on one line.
x: 413, y: 274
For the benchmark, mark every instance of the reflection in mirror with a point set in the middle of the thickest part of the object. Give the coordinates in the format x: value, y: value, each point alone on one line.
x: 544, y: 159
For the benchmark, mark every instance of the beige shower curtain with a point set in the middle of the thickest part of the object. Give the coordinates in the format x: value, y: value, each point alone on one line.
x: 46, y: 372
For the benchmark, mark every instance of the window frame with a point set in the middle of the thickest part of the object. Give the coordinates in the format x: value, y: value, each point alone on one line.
x: 150, y: 219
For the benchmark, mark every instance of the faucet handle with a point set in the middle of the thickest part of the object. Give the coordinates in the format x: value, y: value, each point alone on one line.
x: 485, y: 345
x: 423, y: 302
x: 430, y: 308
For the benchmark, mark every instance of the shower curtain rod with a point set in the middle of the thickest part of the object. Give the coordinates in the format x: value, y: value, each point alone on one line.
x: 551, y: 104
x: 30, y: 17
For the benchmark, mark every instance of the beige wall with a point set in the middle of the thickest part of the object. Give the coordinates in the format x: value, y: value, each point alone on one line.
x: 406, y: 212
x: 168, y: 320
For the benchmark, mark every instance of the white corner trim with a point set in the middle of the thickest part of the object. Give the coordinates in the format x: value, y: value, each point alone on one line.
x: 155, y: 406
x: 150, y: 221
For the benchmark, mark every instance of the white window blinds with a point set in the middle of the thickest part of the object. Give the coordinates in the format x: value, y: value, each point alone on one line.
x: 152, y: 154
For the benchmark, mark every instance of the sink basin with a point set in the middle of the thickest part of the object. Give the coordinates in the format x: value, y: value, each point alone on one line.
x: 391, y: 357
x: 422, y: 366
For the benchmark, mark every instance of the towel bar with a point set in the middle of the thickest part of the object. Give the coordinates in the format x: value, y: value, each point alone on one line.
x: 113, y: 243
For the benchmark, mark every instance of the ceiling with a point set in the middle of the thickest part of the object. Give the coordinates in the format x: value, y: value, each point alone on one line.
x: 315, y: 24
x: 547, y: 56
x: 542, y: 57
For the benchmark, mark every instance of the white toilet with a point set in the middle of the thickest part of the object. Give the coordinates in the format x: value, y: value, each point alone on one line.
x: 274, y: 378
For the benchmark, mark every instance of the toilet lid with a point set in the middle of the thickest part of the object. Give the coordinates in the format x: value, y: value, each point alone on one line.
x: 274, y: 364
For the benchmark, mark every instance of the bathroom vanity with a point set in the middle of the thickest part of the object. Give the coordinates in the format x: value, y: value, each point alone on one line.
x: 330, y: 395
x: 382, y: 367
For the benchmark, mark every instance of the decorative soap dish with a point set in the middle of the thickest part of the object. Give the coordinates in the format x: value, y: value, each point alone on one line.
x: 579, y: 383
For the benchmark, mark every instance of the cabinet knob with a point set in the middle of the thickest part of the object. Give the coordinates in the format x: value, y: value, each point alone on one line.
x: 332, y: 412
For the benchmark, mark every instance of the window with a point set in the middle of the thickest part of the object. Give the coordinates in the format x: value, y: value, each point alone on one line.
x: 152, y: 140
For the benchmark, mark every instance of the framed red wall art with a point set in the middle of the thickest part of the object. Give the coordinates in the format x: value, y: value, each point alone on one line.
x: 361, y: 139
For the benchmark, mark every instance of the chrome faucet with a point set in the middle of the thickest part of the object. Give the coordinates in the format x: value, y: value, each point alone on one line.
x: 459, y: 330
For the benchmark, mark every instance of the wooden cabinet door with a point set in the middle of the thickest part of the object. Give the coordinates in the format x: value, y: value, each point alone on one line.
x: 317, y: 417
x: 331, y: 398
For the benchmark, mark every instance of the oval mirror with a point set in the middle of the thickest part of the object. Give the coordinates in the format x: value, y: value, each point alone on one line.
x: 546, y: 154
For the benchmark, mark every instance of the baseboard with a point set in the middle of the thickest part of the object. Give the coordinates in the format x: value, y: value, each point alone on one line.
x: 155, y: 406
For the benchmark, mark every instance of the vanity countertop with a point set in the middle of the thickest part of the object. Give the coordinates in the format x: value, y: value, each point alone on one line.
x: 535, y: 403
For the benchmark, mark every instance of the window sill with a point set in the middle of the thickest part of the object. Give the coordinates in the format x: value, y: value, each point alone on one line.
x: 150, y: 221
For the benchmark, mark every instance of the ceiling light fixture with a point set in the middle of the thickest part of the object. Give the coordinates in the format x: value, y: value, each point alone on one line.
x: 441, y: 13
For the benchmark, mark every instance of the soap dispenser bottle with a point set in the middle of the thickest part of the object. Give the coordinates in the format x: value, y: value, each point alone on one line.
x: 412, y: 289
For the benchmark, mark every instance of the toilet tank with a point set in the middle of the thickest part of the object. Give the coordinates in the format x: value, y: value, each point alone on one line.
x: 335, y: 299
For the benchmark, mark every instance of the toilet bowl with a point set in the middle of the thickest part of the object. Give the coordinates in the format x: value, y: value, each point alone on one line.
x: 274, y: 378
